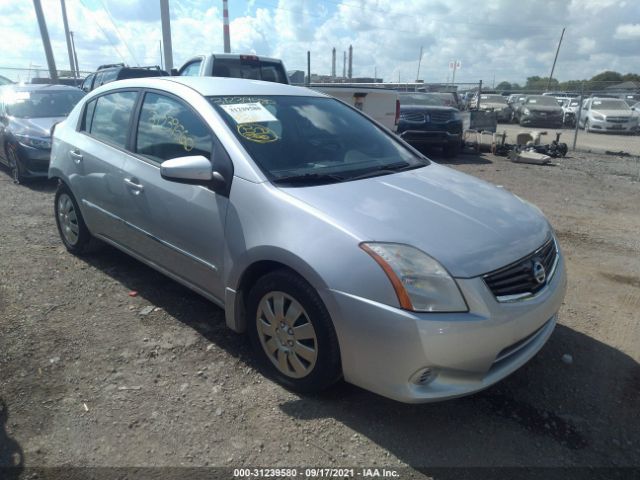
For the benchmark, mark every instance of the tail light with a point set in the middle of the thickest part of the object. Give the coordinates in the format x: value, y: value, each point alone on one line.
x: 397, y: 111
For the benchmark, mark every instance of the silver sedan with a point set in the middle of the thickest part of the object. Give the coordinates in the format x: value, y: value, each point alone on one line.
x: 339, y: 249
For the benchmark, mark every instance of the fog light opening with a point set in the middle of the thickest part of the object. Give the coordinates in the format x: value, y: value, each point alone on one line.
x: 424, y: 376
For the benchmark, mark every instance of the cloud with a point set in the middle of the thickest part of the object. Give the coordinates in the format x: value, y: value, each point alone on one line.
x: 496, y: 38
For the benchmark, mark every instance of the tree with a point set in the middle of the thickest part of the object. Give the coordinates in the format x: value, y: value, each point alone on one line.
x: 504, y: 86
x: 537, y: 83
x: 607, y: 76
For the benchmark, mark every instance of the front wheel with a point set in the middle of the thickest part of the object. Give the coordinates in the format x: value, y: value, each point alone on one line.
x: 292, y: 333
x: 15, y: 165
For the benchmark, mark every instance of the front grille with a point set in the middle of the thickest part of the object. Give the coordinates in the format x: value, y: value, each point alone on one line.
x: 618, y: 119
x: 518, y: 280
x: 440, y: 116
x: 413, y: 117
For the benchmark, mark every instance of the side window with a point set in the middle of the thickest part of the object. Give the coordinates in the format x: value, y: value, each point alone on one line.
x: 111, y: 116
x: 109, y: 76
x: 85, y: 126
x: 98, y: 81
x: 87, y: 84
x: 192, y: 70
x: 169, y: 129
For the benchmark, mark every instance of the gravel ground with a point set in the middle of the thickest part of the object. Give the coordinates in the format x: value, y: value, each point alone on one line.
x: 90, y: 376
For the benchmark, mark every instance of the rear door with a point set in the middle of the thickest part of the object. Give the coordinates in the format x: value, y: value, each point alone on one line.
x: 179, y: 227
x: 98, y: 156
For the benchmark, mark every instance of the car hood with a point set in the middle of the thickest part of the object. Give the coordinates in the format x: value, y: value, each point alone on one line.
x: 543, y: 108
x: 470, y: 226
x: 37, y: 127
x: 613, y: 113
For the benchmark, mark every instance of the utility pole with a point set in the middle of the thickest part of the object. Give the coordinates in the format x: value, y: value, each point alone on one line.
x: 166, y: 34
x: 53, y: 73
x: 68, y: 37
x: 555, y: 59
x: 419, y: 62
x: 75, y: 54
x: 225, y: 27
x: 308, y: 67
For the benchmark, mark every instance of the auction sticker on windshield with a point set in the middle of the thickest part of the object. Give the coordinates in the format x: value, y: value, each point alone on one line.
x: 249, y: 113
x: 257, y: 133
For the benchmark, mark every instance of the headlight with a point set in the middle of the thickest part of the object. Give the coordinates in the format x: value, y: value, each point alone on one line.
x: 456, y: 116
x: 597, y: 116
x: 420, y: 282
x: 526, y: 111
x: 42, y: 143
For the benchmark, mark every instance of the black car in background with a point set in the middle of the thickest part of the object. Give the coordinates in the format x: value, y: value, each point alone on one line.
x: 425, y: 119
x: 27, y: 114
x: 119, y: 71
x: 538, y: 111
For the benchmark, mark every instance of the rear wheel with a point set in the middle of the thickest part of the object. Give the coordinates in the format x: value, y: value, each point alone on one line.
x: 73, y: 231
x: 292, y: 333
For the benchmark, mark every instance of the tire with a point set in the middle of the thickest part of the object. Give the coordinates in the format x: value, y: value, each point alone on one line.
x: 586, y: 126
x: 451, y: 150
x: 15, y: 165
x: 292, y: 361
x: 73, y: 231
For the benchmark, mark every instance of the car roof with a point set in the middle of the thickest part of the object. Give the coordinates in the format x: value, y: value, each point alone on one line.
x: 215, y: 86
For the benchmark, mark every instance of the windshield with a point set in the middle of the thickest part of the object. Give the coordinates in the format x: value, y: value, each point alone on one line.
x: 294, y: 138
x: 42, y: 103
x: 427, y: 99
x: 493, y: 98
x: 250, y: 69
x: 611, y: 104
x: 542, y: 100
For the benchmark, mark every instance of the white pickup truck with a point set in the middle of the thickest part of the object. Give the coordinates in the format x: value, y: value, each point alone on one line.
x: 381, y: 104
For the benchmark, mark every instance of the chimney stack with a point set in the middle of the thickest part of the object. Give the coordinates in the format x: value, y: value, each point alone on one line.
x: 350, y: 73
x: 225, y: 27
x: 344, y: 64
x: 333, y: 63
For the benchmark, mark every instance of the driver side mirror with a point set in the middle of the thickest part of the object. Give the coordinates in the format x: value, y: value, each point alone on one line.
x: 194, y: 170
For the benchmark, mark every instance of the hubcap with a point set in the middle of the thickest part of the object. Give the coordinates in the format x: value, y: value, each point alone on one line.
x: 68, y: 219
x: 286, y: 334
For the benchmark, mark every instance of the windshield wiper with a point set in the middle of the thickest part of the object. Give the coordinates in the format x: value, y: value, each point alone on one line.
x: 310, y: 178
x: 384, y: 169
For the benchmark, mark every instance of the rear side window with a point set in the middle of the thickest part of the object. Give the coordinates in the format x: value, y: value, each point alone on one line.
x: 109, y: 76
x: 169, y: 129
x: 111, y: 116
x: 192, y: 70
x: 87, y: 84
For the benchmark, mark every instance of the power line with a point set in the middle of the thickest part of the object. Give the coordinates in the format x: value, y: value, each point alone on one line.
x: 103, y: 31
x: 118, y: 32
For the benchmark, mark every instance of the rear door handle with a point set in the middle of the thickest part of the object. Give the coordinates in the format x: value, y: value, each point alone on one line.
x: 134, y: 186
x: 76, y: 155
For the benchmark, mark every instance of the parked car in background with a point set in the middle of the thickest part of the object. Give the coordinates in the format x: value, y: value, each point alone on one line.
x: 119, y: 71
x: 27, y: 114
x: 611, y: 115
x: 426, y: 119
x: 570, y: 107
x: 228, y: 65
x: 340, y: 250
x: 538, y: 111
x: 497, y: 103
x: 5, y: 81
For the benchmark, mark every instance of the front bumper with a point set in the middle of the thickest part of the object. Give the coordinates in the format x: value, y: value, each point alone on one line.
x: 432, y: 137
x: 383, y: 348
x: 538, y: 120
x: 606, y: 126
x: 34, y: 161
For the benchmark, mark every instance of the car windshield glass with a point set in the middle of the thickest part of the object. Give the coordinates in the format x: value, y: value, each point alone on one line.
x: 296, y: 139
x: 611, y: 104
x: 542, y: 100
x: 428, y: 99
x: 42, y: 103
x: 493, y: 98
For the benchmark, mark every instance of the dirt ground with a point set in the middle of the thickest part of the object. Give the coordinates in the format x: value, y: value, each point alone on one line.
x: 89, y: 376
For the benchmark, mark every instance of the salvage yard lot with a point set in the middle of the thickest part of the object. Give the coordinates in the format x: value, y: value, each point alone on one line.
x: 92, y: 376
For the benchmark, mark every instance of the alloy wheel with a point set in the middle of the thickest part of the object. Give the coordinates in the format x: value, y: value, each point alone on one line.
x: 286, y: 334
x: 68, y: 219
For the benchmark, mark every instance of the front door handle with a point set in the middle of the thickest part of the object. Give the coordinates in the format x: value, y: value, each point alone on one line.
x: 76, y: 155
x: 136, y: 187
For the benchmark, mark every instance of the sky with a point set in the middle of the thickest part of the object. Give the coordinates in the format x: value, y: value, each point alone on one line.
x: 493, y: 40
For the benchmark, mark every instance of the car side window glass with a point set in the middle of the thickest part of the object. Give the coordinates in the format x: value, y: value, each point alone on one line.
x: 111, y: 116
x: 192, y: 70
x: 88, y: 116
x: 86, y: 85
x: 109, y: 76
x: 169, y: 129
